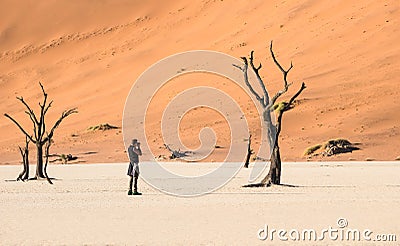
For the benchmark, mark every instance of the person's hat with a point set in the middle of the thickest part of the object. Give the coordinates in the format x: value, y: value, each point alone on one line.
x: 134, y: 141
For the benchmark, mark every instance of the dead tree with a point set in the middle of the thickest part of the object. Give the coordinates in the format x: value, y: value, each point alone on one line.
x: 63, y: 158
x: 40, y: 134
x: 249, y: 153
x: 24, y: 175
x: 269, y: 104
x: 176, y: 154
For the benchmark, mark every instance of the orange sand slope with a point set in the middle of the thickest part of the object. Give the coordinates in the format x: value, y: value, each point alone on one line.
x: 88, y: 55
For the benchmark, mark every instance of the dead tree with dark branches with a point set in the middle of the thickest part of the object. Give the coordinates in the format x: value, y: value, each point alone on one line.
x: 270, y: 104
x: 41, y: 136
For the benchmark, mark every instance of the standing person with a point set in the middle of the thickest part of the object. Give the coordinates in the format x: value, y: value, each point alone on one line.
x: 134, y: 152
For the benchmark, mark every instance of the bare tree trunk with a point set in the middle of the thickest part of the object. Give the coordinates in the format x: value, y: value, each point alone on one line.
x: 39, y: 166
x: 26, y: 164
x: 24, y: 175
x: 271, y: 128
x: 275, y: 168
x: 249, y: 153
x: 274, y: 174
x: 47, y: 152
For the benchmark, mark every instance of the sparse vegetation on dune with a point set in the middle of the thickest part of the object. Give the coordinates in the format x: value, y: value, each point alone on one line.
x: 279, y: 106
x: 330, y: 148
x: 102, y: 127
x: 312, y: 149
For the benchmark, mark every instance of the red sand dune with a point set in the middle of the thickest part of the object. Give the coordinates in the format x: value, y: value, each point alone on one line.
x: 89, y: 53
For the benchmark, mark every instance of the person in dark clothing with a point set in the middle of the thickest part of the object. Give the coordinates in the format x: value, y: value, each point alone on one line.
x: 134, y: 152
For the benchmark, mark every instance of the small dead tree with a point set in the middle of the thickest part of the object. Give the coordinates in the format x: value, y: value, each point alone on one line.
x: 269, y: 104
x: 249, y: 153
x: 24, y: 175
x: 40, y: 134
x: 176, y: 154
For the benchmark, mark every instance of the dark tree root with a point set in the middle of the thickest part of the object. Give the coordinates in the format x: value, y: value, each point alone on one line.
x: 43, y: 178
x: 257, y: 185
x: 268, y: 185
x: 266, y: 182
x: 34, y: 178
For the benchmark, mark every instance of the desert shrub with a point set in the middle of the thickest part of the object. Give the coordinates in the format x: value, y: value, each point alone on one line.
x: 102, y: 127
x: 279, y: 106
x: 331, y: 147
x: 312, y: 149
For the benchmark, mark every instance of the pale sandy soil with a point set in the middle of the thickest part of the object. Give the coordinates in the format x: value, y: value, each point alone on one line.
x: 88, y: 205
x: 89, y: 53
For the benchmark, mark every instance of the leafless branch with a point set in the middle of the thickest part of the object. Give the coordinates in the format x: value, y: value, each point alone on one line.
x: 32, y: 117
x: 246, y: 80
x: 21, y: 99
x: 256, y: 71
x: 286, y: 84
x: 239, y: 67
x: 289, y: 104
x: 64, y: 115
x: 285, y: 72
x: 44, y: 92
x: 42, y: 125
x: 47, y: 108
x: 20, y: 127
